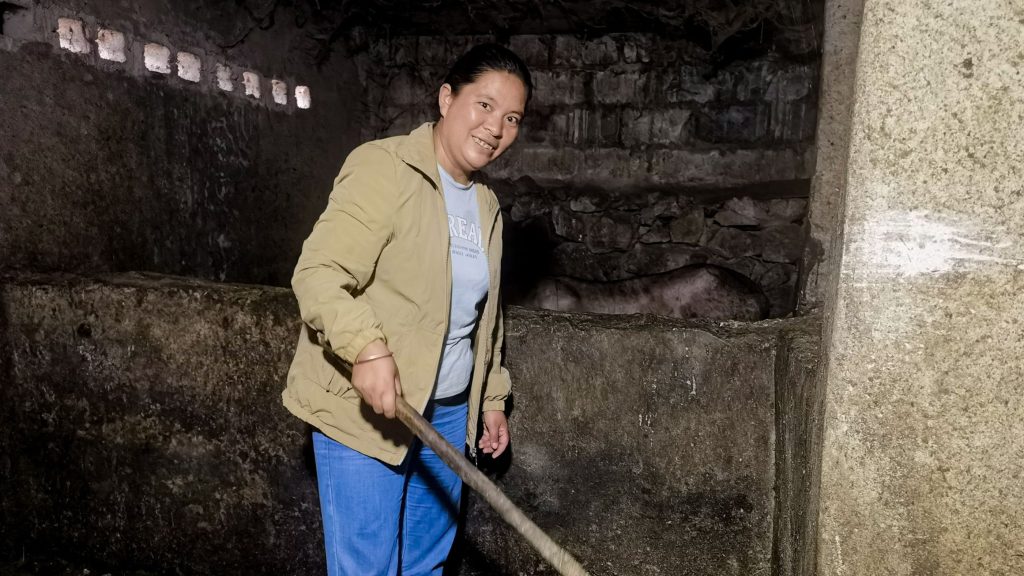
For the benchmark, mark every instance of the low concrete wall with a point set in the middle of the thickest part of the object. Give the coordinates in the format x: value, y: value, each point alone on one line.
x: 143, y: 429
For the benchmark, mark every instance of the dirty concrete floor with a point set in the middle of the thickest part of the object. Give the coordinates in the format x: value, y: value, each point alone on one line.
x: 38, y: 566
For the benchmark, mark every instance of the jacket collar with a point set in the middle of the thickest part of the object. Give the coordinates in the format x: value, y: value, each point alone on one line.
x: 417, y: 150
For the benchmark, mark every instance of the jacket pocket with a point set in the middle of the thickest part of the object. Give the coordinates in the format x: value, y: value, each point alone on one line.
x: 334, y: 375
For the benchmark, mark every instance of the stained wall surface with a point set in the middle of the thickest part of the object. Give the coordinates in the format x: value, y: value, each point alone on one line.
x: 106, y: 165
x: 923, y: 460
x: 143, y: 429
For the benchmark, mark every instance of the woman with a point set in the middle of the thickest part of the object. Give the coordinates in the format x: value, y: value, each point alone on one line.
x: 399, y: 280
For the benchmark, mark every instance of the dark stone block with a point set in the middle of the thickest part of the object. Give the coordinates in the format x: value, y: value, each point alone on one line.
x: 657, y: 233
x: 733, y: 124
x: 686, y: 83
x: 647, y: 259
x: 732, y: 242
x: 601, y: 52
x: 568, y: 224
x: 783, y: 243
x: 689, y: 227
x: 612, y: 231
x: 531, y: 48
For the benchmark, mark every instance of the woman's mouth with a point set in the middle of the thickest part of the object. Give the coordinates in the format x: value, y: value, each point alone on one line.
x: 483, y: 144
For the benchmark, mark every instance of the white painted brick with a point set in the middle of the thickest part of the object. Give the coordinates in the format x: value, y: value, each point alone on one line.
x: 111, y: 45
x: 251, y: 81
x: 190, y: 68
x: 225, y: 79
x: 279, y: 90
x: 157, y: 58
x: 71, y: 34
x: 303, y: 98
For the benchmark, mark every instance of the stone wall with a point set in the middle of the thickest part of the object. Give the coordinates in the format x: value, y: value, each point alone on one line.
x: 143, y: 430
x: 600, y: 236
x: 106, y: 165
x: 620, y: 111
x: 639, y: 154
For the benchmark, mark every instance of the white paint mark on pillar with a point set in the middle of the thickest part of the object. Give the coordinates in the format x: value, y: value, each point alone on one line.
x: 72, y: 35
x: 251, y: 80
x: 110, y: 45
x: 224, y: 81
x: 302, y: 97
x: 279, y: 90
x: 189, y: 67
x: 158, y: 58
x: 907, y: 244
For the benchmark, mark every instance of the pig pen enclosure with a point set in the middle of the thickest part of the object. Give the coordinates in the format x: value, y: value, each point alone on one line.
x: 161, y: 165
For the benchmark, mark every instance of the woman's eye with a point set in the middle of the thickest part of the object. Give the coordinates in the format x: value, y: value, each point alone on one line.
x: 485, y: 105
x: 513, y: 120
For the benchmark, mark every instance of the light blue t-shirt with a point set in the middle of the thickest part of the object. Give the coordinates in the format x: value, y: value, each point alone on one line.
x: 469, y: 285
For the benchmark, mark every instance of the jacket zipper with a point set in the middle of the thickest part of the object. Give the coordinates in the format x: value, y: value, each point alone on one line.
x: 482, y: 334
x: 448, y: 293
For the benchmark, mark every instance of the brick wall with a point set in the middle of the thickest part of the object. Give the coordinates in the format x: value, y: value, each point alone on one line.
x: 622, y: 110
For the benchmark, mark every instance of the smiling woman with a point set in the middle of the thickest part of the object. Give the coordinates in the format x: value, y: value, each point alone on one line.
x: 479, y: 119
x: 399, y: 281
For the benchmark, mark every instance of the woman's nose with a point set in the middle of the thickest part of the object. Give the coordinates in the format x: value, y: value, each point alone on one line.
x: 493, y: 127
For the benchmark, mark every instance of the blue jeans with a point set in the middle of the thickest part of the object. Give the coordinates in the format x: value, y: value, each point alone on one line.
x: 388, y: 520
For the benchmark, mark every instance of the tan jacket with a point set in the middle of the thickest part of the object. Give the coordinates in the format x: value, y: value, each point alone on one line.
x: 377, y: 266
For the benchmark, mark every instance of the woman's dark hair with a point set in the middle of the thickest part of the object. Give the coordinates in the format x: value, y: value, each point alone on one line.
x: 485, y: 58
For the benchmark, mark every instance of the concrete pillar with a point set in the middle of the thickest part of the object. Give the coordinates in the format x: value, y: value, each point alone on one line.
x: 835, y: 109
x: 923, y: 450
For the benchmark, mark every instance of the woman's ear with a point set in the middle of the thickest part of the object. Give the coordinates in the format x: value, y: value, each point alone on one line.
x: 444, y: 99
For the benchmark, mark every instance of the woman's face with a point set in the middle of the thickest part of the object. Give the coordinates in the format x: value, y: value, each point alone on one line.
x: 478, y: 123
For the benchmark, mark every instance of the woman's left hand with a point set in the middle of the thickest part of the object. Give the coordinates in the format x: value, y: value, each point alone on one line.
x: 494, y: 440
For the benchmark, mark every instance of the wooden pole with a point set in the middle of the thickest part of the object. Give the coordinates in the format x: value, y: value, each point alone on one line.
x: 548, y: 548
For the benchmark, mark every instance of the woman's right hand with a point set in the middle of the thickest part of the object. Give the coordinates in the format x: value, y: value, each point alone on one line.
x: 377, y: 381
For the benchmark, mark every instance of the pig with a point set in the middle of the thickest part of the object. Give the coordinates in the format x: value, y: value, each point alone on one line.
x: 694, y: 291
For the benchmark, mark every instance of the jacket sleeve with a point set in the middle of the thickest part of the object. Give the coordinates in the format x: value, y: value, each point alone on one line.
x: 339, y: 257
x: 498, y: 386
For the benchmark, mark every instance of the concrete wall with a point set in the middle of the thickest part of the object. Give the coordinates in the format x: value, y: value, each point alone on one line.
x: 923, y: 459
x: 107, y: 166
x: 143, y: 430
